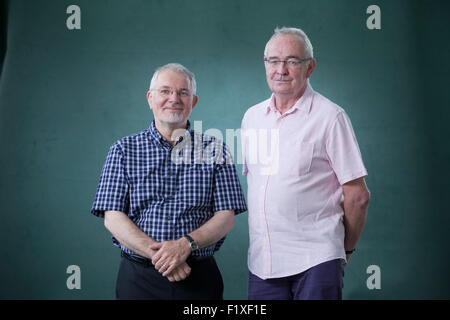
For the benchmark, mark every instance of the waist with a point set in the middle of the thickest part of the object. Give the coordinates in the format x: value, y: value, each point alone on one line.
x: 148, y: 262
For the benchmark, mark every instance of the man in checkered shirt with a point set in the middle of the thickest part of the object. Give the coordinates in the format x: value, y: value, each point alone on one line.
x: 169, y: 195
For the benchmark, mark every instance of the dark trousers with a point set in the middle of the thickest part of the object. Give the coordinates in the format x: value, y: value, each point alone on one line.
x: 321, y: 282
x: 138, y: 281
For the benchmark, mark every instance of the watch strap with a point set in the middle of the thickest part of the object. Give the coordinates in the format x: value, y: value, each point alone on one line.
x: 192, y: 243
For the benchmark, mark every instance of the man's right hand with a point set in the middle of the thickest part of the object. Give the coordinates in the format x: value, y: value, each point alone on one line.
x: 179, y: 273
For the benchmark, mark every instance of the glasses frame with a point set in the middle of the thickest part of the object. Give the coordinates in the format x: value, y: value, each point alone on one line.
x: 183, y: 93
x: 273, y: 63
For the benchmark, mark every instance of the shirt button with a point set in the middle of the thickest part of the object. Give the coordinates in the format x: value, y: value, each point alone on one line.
x: 168, y: 218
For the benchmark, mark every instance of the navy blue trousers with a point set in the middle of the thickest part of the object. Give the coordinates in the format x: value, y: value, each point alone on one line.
x: 136, y: 281
x: 321, y: 282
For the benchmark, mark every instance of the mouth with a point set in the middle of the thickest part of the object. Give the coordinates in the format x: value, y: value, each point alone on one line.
x: 282, y: 80
x: 282, y: 83
x: 173, y: 109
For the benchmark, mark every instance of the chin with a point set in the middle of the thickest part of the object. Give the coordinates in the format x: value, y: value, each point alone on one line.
x: 175, y: 120
x: 282, y: 87
x: 281, y: 91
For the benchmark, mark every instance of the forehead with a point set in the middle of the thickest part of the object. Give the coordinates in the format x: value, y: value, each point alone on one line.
x: 285, y: 45
x: 173, y: 79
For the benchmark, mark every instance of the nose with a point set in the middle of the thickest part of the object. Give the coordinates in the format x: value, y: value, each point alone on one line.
x: 174, y: 96
x: 282, y: 68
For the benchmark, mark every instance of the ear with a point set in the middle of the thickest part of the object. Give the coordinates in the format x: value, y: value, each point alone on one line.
x: 194, y: 101
x: 311, y: 67
x: 149, y: 98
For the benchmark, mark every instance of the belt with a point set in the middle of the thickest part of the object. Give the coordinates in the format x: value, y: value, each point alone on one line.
x: 148, y: 263
x: 138, y: 259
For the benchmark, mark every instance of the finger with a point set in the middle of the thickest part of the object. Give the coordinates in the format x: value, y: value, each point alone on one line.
x: 156, y: 246
x: 157, y: 264
x: 163, y: 269
x: 177, y: 276
x: 160, y: 260
x: 161, y: 266
x: 183, y: 271
x: 186, y: 269
x: 184, y: 274
x: 169, y: 270
x: 156, y: 257
x: 347, y: 259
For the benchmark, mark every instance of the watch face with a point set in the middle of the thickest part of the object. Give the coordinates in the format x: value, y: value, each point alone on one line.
x: 194, y: 245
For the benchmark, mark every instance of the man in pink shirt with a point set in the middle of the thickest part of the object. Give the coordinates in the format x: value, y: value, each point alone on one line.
x: 307, y: 199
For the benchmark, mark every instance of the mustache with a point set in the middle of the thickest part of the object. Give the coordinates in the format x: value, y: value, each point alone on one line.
x: 282, y: 79
x: 174, y: 106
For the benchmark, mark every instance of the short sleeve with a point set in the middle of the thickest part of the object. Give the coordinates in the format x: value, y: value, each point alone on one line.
x: 113, y: 188
x: 227, y: 190
x: 244, y: 147
x: 343, y: 150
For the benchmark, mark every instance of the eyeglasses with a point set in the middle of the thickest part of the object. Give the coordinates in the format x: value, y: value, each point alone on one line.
x: 166, y: 92
x: 291, y: 63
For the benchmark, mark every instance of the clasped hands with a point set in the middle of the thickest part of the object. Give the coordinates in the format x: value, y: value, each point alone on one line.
x: 169, y: 258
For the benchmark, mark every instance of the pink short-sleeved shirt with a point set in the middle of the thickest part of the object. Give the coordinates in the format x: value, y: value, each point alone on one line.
x: 296, y: 164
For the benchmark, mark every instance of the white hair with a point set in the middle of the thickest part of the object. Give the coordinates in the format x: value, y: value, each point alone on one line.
x: 177, y: 68
x: 300, y: 34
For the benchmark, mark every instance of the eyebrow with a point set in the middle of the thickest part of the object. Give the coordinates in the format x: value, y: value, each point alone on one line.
x: 168, y: 87
x: 288, y: 57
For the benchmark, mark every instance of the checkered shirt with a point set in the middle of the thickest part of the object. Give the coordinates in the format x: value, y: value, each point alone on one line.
x: 169, y: 191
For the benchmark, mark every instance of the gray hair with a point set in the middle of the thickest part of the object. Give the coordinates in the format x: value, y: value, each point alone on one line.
x: 303, y: 38
x: 177, y: 68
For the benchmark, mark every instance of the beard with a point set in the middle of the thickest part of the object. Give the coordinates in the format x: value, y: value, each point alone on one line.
x: 173, y: 117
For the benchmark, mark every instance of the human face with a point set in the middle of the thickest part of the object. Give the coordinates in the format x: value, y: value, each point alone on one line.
x: 173, y: 110
x: 284, y: 80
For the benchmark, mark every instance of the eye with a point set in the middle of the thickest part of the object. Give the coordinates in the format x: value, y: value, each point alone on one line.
x: 293, y: 63
x: 164, y: 92
x: 184, y: 93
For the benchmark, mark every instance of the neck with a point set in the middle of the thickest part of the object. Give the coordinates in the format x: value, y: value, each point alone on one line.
x: 171, y: 132
x: 283, y: 102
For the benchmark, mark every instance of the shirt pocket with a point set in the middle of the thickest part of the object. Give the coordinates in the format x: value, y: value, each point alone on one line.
x: 296, y: 158
x: 145, y: 183
x: 198, y: 185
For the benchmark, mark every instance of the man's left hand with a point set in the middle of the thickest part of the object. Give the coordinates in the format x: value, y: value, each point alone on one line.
x: 347, y: 256
x: 170, y: 254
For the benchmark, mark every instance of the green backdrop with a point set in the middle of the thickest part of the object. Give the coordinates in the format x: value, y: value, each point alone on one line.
x: 67, y: 95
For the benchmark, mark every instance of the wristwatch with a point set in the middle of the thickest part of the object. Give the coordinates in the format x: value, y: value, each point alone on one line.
x: 192, y: 243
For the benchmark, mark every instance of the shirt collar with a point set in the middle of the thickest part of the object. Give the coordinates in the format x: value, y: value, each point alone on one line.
x: 304, y: 103
x: 154, y: 134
